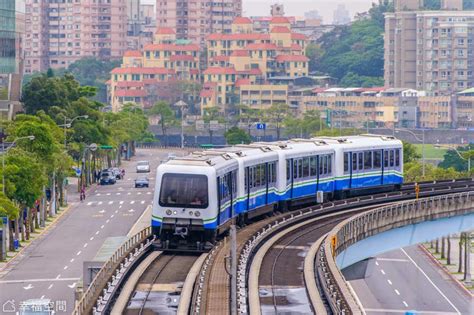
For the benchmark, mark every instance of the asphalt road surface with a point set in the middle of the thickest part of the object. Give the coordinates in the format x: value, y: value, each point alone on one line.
x: 52, y: 266
x: 407, y: 280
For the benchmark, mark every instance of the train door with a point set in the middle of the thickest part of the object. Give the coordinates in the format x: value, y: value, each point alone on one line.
x: 357, y: 170
x: 247, y: 186
x: 391, y: 164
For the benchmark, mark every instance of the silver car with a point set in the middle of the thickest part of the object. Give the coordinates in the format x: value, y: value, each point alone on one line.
x: 143, y: 167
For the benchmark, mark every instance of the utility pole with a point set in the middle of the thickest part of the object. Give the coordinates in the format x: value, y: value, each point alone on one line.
x: 233, y: 269
x: 467, y: 264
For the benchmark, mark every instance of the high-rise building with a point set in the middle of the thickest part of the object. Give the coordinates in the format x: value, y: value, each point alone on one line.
x: 195, y: 19
x: 404, y: 5
x: 59, y: 33
x: 341, y: 15
x: 429, y: 50
x: 12, y: 27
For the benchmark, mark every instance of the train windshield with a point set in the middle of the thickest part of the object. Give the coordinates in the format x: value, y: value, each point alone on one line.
x: 184, y: 191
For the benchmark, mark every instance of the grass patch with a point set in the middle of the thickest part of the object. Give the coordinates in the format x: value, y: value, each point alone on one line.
x: 431, y: 152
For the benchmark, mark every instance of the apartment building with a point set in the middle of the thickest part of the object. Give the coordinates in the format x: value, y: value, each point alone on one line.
x: 12, y: 27
x: 151, y: 74
x: 245, y: 57
x: 60, y: 32
x: 430, y: 50
x: 195, y: 19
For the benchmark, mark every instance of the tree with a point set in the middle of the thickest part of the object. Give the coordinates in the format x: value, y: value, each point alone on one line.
x: 212, y: 114
x: 452, y: 158
x: 248, y: 115
x: 167, y: 117
x: 276, y: 115
x: 236, y: 135
x: 410, y: 154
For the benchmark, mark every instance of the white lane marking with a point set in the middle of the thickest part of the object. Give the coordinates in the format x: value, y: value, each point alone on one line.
x: 382, y: 271
x: 113, y: 215
x: 397, y: 292
x: 429, y: 280
x: 78, y: 253
x: 116, y: 211
x: 102, y: 226
x: 29, y: 281
x: 72, y: 285
x: 28, y: 287
x: 148, y: 193
x: 85, y: 245
x: 131, y: 210
x: 108, y: 194
x: 58, y: 276
x: 102, y: 211
x: 405, y: 303
x: 111, y: 202
x: 143, y: 202
x: 393, y: 259
x: 389, y: 282
x: 139, y: 193
x: 99, y: 203
x: 394, y: 311
x: 108, y: 220
x: 97, y: 194
x: 50, y: 286
x: 129, y: 193
x: 72, y: 260
x: 377, y: 263
x: 65, y: 267
x: 118, y: 194
x: 132, y: 202
x: 120, y: 207
x: 42, y: 297
x: 121, y: 202
x: 89, y: 203
x: 97, y: 233
x: 91, y: 239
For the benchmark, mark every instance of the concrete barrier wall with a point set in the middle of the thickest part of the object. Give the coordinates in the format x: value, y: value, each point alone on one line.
x: 364, y: 225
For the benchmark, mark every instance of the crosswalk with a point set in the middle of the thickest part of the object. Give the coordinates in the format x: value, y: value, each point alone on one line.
x: 131, y: 202
x: 138, y: 193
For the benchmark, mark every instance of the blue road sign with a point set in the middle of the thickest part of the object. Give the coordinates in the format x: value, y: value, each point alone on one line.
x: 78, y: 172
x: 261, y: 126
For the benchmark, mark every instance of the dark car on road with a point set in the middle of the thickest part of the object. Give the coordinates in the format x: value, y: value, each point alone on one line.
x: 107, y: 178
x: 142, y: 182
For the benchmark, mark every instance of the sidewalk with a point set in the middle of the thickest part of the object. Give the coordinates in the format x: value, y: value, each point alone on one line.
x: 73, y: 198
x: 453, y: 268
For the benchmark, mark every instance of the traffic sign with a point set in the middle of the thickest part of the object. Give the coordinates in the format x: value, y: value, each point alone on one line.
x: 78, y: 172
x: 261, y: 126
x: 93, y: 147
x: 106, y: 147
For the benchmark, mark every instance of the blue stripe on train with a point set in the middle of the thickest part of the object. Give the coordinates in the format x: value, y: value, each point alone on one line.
x: 369, y: 181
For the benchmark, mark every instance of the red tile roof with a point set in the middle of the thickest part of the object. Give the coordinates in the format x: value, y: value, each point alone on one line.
x: 207, y: 93
x: 172, y: 47
x: 244, y: 36
x: 141, y: 70
x: 242, y: 20
x: 220, y: 70
x: 241, y: 82
x: 319, y: 90
x: 296, y: 47
x: 298, y: 36
x: 299, y: 58
x: 220, y: 58
x: 240, y: 53
x: 182, y: 58
x: 193, y: 71
x: 280, y: 20
x: 131, y: 93
x: 265, y: 46
x: 280, y: 29
x: 121, y: 84
x: 209, y: 84
x: 165, y: 31
x: 132, y: 53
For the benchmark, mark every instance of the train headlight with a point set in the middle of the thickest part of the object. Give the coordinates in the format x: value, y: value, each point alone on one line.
x: 175, y: 212
x: 197, y: 214
x: 190, y: 213
x: 169, y: 212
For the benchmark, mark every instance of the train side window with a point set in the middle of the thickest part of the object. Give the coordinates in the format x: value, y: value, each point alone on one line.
x: 397, y: 157
x: 325, y: 164
x: 300, y: 168
x: 346, y: 162
x: 385, y: 158
x: 306, y: 167
x: 321, y: 164
x: 360, y: 161
x: 288, y: 170
x: 329, y: 164
x: 313, y: 165
x: 377, y: 159
x: 234, y: 183
x: 368, y: 160
x: 295, y: 169
x: 274, y: 172
x: 246, y: 178
x: 263, y: 174
x: 354, y: 161
x: 392, y: 158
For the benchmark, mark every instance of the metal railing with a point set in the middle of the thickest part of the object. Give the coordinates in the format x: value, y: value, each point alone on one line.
x: 116, y: 262
x: 364, y: 225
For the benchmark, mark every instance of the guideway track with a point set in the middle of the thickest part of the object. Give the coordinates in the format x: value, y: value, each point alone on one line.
x: 215, y: 282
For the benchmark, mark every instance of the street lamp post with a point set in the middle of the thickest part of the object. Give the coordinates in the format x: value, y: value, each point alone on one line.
x: 182, y: 106
x: 422, y: 140
x: 68, y: 123
x: 4, y: 152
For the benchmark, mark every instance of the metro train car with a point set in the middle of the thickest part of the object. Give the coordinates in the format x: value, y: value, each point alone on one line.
x: 197, y: 197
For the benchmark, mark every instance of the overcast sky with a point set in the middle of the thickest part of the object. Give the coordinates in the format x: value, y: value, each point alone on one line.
x: 299, y: 7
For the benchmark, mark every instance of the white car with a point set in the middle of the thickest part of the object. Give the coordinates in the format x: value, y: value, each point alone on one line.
x: 143, y: 167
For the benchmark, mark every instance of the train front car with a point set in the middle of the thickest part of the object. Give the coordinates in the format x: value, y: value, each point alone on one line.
x: 185, y: 207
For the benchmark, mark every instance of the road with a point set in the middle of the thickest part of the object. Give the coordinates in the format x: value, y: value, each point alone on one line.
x: 408, y: 280
x: 52, y: 266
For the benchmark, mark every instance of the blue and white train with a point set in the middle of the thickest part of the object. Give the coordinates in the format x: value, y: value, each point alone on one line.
x: 199, y: 196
